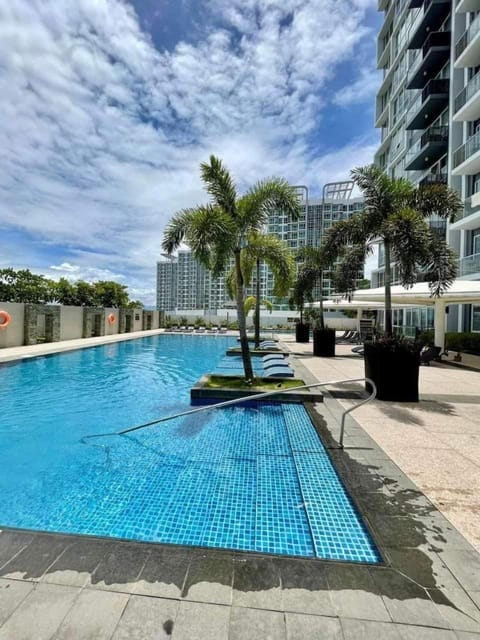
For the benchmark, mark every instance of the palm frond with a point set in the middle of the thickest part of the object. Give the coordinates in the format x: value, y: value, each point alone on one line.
x: 439, y: 200
x: 440, y: 265
x: 220, y: 185
x: 346, y: 275
x: 177, y: 229
x: 276, y: 254
x: 211, y: 237
x: 264, y: 198
x: 408, y: 234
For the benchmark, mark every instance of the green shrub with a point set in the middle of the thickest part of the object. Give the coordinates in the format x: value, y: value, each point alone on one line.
x: 464, y: 342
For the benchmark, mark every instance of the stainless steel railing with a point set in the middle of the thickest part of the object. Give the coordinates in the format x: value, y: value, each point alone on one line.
x: 258, y: 396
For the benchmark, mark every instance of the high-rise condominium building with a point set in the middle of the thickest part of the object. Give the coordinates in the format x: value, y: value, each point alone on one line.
x: 183, y: 284
x: 428, y: 109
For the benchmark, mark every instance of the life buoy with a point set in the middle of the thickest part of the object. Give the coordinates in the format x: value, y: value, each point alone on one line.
x: 4, y: 319
x: 111, y: 319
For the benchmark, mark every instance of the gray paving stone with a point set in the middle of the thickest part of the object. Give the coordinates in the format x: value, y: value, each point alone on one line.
x: 146, y: 618
x: 423, y: 566
x: 354, y: 593
x: 246, y: 624
x: 77, y: 564
x: 11, y: 542
x: 467, y: 635
x: 457, y: 608
x: 32, y: 562
x: 164, y: 573
x: 302, y: 627
x: 407, y: 603
x: 256, y: 583
x: 41, y: 612
x: 465, y: 566
x: 408, y: 632
x: 12, y: 593
x: 209, y: 579
x: 120, y: 568
x: 94, y: 616
x: 305, y: 588
x: 197, y: 621
x: 368, y: 630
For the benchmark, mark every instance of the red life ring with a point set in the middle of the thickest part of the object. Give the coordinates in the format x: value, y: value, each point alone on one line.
x: 4, y: 319
x: 111, y: 319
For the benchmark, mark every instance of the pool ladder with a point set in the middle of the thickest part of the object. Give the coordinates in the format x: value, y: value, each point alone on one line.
x: 258, y: 396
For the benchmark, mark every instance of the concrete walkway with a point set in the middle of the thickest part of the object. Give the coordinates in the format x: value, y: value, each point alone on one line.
x: 436, y: 442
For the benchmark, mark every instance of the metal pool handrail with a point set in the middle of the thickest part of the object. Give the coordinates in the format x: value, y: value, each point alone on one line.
x: 258, y: 396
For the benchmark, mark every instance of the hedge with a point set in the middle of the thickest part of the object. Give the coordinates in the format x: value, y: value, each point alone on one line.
x: 464, y: 342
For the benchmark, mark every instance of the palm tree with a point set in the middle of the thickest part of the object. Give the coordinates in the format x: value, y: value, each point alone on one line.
x: 218, y: 231
x: 396, y: 214
x: 311, y: 273
x: 252, y: 303
x: 276, y: 254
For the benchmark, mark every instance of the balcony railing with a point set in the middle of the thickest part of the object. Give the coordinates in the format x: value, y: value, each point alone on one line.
x: 434, y: 178
x: 471, y: 146
x: 467, y: 210
x: 467, y: 37
x: 434, y: 134
x: 435, y: 87
x: 469, y: 265
x: 467, y: 92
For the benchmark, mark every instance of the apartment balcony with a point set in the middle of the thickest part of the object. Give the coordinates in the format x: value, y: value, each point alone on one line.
x: 432, y: 145
x: 433, y: 178
x: 469, y: 217
x: 466, y: 159
x: 468, y: 5
x: 381, y: 118
x: 469, y: 266
x: 467, y: 48
x: 429, y: 20
x: 435, y: 53
x: 429, y: 105
x: 467, y: 102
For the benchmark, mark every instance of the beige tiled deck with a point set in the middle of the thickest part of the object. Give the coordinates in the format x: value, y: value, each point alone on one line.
x: 435, y: 442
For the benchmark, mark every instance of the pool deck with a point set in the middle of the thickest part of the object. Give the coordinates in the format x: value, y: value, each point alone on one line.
x: 398, y: 459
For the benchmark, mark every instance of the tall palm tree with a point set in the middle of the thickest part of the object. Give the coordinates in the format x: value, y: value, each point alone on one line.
x: 276, y: 254
x: 218, y: 231
x: 396, y: 214
x: 315, y: 262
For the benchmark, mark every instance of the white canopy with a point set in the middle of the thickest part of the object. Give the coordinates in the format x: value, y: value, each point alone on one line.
x: 460, y: 292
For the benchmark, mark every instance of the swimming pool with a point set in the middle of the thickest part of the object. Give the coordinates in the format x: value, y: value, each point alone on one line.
x: 250, y: 478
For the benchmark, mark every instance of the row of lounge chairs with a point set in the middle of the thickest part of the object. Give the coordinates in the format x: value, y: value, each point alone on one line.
x: 348, y: 337
x: 192, y: 329
x: 276, y: 366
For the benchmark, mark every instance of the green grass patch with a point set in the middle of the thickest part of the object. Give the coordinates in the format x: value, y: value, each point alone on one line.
x: 260, y: 384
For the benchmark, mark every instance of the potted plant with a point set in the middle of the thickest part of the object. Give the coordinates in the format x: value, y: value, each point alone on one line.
x: 309, y: 284
x: 297, y: 302
x: 396, y: 215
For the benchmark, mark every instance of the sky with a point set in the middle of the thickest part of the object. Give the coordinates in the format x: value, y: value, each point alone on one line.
x: 109, y: 106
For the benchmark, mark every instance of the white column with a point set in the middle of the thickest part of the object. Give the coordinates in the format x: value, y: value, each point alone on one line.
x: 440, y: 324
x: 359, y: 317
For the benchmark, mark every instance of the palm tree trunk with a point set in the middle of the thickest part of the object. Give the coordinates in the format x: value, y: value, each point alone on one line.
x: 257, y: 308
x: 388, y: 291
x: 242, y: 324
x: 322, y: 317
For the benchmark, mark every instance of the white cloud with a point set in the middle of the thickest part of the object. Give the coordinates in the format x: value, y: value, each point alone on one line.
x: 102, y: 135
x: 361, y: 91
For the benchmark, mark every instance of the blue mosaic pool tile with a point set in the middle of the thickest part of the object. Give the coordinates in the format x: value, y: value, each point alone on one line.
x: 338, y: 530
x: 281, y: 522
x: 232, y: 520
x: 271, y: 432
x: 301, y: 434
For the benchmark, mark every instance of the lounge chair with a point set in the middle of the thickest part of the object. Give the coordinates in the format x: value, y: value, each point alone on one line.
x: 278, y: 372
x: 360, y: 350
x: 274, y: 357
x: 344, y: 337
x: 213, y: 330
x: 355, y: 337
x: 200, y: 330
x: 223, y: 330
x: 190, y: 329
x: 183, y: 328
x: 428, y: 354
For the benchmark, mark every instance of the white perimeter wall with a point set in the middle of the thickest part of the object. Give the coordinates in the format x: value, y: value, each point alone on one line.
x: 137, y: 319
x: 12, y: 336
x: 71, y: 323
x: 111, y: 329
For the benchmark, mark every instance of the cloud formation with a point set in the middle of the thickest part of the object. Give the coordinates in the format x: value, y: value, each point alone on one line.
x: 102, y: 132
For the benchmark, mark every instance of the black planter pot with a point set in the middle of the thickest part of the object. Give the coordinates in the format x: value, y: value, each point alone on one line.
x: 394, y: 371
x: 302, y: 332
x: 324, y: 342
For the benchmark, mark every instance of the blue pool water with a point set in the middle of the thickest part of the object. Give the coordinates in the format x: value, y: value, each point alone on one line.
x: 250, y: 478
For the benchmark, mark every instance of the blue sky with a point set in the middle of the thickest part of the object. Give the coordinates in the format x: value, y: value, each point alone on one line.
x: 109, y: 106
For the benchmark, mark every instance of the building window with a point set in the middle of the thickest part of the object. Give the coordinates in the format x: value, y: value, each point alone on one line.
x: 476, y: 318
